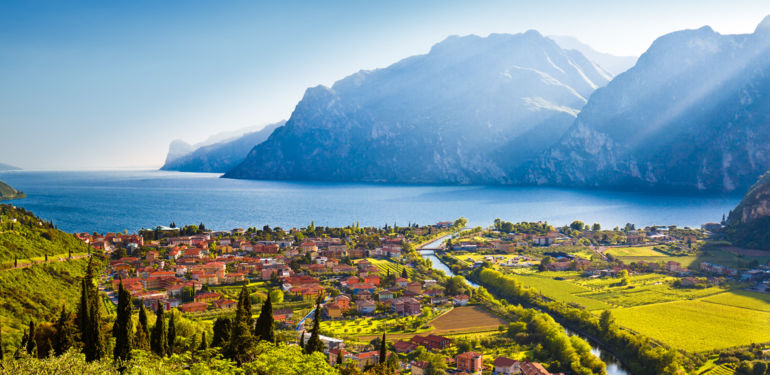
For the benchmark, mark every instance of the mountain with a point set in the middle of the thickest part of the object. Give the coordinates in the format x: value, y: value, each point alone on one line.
x: 749, y: 223
x: 218, y: 157
x: 6, y: 167
x: 469, y: 111
x: 613, y: 65
x: 8, y: 193
x: 692, y: 114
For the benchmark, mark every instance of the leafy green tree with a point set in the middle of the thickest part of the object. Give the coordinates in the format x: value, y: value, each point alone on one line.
x: 142, y: 336
x: 606, y: 321
x: 314, y: 344
x: 65, y: 333
x: 158, y: 343
x: 760, y: 368
x: 171, y: 340
x: 276, y: 295
x: 264, y: 328
x: 222, y: 329
x: 596, y: 227
x: 577, y: 225
x: 123, y: 326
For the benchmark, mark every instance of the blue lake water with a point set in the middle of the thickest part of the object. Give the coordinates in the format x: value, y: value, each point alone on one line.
x: 129, y: 200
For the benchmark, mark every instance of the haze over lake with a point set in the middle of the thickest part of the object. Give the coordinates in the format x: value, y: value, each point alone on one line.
x: 130, y: 200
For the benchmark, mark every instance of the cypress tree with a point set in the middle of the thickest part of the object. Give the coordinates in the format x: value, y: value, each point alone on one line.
x: 383, y: 350
x: 171, y: 333
x: 141, y: 339
x: 204, y: 344
x: 302, y: 341
x: 314, y: 344
x: 222, y: 329
x: 64, y: 336
x: 31, y: 343
x: 404, y: 274
x: 264, y: 328
x: 158, y: 335
x: 1, y: 343
x: 339, y: 358
x: 123, y: 326
x: 89, y: 317
x: 241, y: 338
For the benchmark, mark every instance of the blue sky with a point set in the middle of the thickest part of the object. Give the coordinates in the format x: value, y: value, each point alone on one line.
x: 108, y: 84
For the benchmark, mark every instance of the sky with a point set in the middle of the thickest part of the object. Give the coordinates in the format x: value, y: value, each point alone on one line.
x: 108, y: 84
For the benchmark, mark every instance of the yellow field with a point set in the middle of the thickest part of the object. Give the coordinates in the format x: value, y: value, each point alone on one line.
x: 697, y: 325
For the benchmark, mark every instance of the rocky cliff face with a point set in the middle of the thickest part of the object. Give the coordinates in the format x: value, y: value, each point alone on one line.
x: 218, y: 157
x: 469, y: 111
x: 692, y: 114
x: 749, y: 223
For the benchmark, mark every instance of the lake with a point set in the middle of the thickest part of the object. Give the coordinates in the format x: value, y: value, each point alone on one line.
x: 109, y: 201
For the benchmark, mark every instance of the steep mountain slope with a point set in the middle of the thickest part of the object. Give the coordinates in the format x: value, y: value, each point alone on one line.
x: 693, y: 113
x: 749, y: 223
x: 219, y: 157
x: 613, y: 65
x: 469, y: 111
x: 8, y: 193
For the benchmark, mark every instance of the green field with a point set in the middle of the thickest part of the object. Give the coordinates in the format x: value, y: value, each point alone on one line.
x: 697, y: 325
x: 560, y: 290
x: 635, y: 251
x: 743, y: 299
x: 386, y: 265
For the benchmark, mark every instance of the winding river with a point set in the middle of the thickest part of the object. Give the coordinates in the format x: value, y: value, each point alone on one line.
x: 614, y: 367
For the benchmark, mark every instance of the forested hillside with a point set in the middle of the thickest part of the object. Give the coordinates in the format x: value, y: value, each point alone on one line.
x: 23, y: 236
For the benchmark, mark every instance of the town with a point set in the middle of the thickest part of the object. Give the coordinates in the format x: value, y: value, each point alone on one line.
x: 376, y: 281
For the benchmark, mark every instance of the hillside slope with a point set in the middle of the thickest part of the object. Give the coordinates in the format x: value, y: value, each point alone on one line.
x: 469, y: 111
x: 24, y: 236
x: 692, y: 114
x: 8, y: 193
x: 748, y: 225
x: 219, y: 157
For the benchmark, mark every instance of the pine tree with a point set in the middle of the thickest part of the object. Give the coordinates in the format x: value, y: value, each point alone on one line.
x: 158, y: 335
x: 383, y: 350
x: 65, y: 335
x: 264, y: 329
x: 204, y: 344
x: 142, y: 336
x: 31, y: 342
x: 123, y: 326
x: 171, y: 334
x: 314, y: 344
x: 89, y: 317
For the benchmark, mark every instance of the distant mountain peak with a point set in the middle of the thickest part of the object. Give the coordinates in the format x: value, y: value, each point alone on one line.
x: 764, y: 26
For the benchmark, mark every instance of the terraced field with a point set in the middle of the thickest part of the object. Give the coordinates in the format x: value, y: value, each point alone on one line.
x: 386, y: 265
x: 697, y: 325
x: 561, y: 290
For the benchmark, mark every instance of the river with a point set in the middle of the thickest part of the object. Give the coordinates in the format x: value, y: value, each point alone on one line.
x: 614, y: 367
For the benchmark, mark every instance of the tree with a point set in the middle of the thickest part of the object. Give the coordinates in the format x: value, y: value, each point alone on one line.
x: 596, y: 227
x: 276, y: 295
x: 605, y: 321
x: 31, y: 346
x: 314, y: 344
x: 1, y: 343
x: 760, y: 368
x: 89, y: 316
x: 222, y: 328
x: 456, y: 285
x: 171, y: 341
x: 264, y: 327
x: 404, y: 274
x: 241, y: 344
x: 65, y: 333
x: 577, y: 225
x: 123, y: 326
x: 383, y: 350
x: 141, y: 339
x: 461, y: 222
x: 158, y: 343
x: 204, y: 343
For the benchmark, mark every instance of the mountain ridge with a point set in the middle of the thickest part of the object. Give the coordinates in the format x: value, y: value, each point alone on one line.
x: 419, y: 119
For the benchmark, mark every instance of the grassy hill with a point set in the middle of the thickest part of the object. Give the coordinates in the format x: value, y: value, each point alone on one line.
x: 7, y: 192
x: 25, y: 237
x: 35, y: 288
